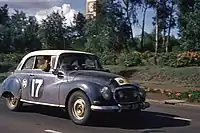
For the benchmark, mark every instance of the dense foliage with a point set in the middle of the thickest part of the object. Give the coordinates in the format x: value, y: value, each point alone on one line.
x: 110, y: 34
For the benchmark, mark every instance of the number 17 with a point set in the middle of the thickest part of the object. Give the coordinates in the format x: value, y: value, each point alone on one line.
x: 33, y: 92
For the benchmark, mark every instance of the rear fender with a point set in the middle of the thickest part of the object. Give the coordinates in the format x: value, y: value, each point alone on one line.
x: 11, y: 85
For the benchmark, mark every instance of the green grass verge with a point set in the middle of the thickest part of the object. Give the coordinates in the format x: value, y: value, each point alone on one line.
x: 186, y: 76
x: 155, y: 75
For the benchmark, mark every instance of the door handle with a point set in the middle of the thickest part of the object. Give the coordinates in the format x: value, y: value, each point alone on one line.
x: 32, y: 75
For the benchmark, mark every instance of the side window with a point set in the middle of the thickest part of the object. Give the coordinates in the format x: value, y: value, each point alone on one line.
x: 63, y: 61
x: 29, y: 63
x: 43, y: 63
x: 89, y: 62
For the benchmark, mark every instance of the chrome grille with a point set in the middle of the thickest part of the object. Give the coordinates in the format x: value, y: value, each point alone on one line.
x: 124, y: 96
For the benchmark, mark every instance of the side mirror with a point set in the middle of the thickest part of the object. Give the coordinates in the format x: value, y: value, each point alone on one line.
x: 55, y: 72
x: 58, y: 73
x: 107, y: 70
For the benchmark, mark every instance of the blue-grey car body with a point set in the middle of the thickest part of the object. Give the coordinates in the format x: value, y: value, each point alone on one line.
x: 55, y: 90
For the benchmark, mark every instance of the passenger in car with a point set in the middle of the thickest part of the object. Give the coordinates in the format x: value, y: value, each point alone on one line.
x: 46, y: 65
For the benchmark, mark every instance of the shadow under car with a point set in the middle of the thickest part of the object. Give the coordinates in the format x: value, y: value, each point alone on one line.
x: 145, y: 120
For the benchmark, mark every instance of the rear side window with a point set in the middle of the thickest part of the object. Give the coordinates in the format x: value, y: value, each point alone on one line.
x: 29, y: 63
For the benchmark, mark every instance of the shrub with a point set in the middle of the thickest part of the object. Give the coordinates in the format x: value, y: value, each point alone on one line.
x: 4, y: 67
x: 191, y: 95
x: 134, y: 58
x: 184, y: 59
x: 172, y: 59
x: 9, y: 61
x: 11, y: 58
x: 107, y: 58
x: 130, y: 59
x: 169, y: 59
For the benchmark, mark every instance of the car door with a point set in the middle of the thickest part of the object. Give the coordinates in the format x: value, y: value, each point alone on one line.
x: 25, y: 75
x: 44, y: 87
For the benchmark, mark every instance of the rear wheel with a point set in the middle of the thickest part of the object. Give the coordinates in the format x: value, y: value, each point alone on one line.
x: 13, y: 104
x: 79, y: 108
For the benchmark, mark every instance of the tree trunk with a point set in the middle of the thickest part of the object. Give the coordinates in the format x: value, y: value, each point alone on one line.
x: 169, y: 30
x: 130, y: 25
x: 157, y: 34
x: 164, y: 37
x: 168, y: 38
x: 143, y: 26
x: 127, y: 4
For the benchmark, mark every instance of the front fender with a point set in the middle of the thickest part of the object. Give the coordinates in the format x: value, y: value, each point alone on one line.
x: 11, y: 85
x: 91, y: 89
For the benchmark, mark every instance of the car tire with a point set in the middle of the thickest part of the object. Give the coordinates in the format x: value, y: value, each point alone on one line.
x: 79, y: 108
x: 13, y: 104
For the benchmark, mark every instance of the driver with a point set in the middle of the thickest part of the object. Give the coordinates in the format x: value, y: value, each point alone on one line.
x: 46, y: 65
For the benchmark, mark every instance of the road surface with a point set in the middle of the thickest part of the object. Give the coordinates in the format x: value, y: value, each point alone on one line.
x: 158, y: 119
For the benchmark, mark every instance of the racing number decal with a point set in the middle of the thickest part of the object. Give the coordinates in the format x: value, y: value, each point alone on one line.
x: 35, y: 87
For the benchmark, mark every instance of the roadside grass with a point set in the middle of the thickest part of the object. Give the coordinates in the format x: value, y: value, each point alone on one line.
x: 187, y: 77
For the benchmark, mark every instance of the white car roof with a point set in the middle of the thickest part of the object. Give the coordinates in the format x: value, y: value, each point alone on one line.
x: 53, y: 52
x: 47, y: 52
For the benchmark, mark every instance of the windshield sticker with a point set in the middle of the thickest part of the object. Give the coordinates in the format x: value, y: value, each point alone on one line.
x: 121, y: 81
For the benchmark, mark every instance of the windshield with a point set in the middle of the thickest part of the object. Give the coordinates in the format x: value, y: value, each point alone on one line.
x: 80, y: 61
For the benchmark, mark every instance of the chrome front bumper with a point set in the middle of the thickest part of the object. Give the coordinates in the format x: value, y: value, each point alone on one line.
x: 119, y: 107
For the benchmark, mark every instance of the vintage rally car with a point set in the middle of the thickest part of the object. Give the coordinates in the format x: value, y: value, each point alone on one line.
x: 72, y: 80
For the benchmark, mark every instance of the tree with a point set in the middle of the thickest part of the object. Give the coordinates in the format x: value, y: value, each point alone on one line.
x: 184, y: 7
x: 163, y: 15
x: 157, y: 32
x: 144, y: 5
x: 149, y: 42
x: 54, y: 33
x: 94, y: 43
x: 161, y: 19
x: 78, y: 31
x: 17, y: 26
x: 130, y: 8
x: 79, y: 21
x: 171, y: 22
x: 18, y: 32
x: 110, y: 30
x: 4, y: 18
x: 4, y: 14
x: 191, y: 28
x: 31, y: 34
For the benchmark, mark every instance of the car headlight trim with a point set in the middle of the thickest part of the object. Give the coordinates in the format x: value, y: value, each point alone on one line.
x: 142, y: 92
x: 106, y: 93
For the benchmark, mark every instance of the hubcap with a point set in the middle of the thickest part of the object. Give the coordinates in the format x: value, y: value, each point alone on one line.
x: 12, y: 101
x: 78, y: 109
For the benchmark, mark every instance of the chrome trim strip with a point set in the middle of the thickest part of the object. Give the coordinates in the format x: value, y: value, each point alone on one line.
x: 118, y: 107
x: 96, y: 108
x: 46, y: 104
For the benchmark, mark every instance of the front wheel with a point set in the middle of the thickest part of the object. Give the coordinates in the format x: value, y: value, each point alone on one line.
x: 13, y: 104
x: 79, y: 108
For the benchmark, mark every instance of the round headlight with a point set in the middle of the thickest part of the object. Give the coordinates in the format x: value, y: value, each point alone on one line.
x: 106, y: 93
x: 142, y: 92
